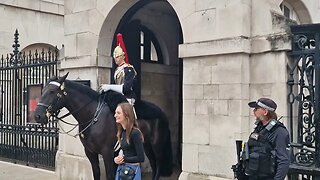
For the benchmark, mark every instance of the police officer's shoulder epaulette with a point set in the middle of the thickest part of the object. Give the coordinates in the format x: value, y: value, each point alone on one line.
x: 272, y: 124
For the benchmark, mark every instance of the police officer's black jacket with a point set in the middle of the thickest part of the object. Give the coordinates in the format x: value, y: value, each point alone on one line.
x: 276, y: 141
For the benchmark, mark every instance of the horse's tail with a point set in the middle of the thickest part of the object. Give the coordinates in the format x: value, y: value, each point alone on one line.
x: 165, y: 164
x: 162, y: 145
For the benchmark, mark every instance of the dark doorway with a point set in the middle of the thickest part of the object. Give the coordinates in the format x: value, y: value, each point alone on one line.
x: 152, y: 34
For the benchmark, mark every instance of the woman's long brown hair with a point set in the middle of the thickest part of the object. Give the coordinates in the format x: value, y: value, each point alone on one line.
x: 128, y: 113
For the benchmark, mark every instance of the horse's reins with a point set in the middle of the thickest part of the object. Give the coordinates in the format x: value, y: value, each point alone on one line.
x: 100, y: 106
x: 49, y: 112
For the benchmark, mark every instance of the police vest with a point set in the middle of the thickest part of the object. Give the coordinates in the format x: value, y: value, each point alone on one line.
x: 261, y: 160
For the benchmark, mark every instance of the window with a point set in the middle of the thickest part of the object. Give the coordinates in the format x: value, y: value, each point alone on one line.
x: 149, y: 47
x: 288, y: 11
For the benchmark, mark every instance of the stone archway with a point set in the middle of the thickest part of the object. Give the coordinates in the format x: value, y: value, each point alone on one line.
x: 160, y: 80
x: 300, y: 10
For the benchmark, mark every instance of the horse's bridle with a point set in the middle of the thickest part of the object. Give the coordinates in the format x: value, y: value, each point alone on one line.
x: 59, y: 95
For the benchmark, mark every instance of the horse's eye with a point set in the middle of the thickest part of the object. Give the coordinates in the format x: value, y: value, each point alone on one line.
x: 51, y: 91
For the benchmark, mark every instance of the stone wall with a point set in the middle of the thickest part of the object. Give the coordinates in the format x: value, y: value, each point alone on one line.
x: 233, y: 52
x: 38, y: 21
x: 238, y: 55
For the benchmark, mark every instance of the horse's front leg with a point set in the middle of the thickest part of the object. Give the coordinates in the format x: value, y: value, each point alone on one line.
x: 109, y: 164
x: 94, y: 160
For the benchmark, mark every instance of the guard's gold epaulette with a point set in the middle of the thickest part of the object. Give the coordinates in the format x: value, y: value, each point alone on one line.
x: 129, y: 65
x: 126, y: 65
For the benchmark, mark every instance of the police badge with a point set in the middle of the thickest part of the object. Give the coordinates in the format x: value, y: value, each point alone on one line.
x: 254, y: 136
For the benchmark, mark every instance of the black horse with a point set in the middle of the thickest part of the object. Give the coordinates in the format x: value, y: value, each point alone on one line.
x: 97, y: 127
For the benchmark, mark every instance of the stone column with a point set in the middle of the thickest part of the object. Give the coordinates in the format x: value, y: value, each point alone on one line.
x: 235, y: 54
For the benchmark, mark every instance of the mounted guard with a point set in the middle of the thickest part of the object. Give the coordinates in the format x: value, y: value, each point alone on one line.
x: 124, y: 75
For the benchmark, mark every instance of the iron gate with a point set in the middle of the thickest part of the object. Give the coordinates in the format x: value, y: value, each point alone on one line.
x: 304, y: 101
x: 21, y: 141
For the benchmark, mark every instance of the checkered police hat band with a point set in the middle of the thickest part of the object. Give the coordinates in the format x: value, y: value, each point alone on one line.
x: 265, y: 106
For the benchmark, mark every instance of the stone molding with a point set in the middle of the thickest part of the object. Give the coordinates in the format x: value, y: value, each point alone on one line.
x: 254, y: 45
x: 52, y: 6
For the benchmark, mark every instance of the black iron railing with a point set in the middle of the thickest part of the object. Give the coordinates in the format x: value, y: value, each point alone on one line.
x: 304, y: 101
x: 19, y: 141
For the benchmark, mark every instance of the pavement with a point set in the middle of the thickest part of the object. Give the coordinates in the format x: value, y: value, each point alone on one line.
x: 11, y: 171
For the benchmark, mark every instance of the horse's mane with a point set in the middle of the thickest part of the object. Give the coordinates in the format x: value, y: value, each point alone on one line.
x: 113, y: 99
x: 82, y: 89
x: 144, y: 109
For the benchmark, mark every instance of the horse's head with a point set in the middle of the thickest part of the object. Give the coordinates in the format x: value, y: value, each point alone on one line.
x: 52, y: 99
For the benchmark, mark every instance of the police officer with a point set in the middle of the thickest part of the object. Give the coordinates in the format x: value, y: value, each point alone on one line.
x: 268, y: 144
x: 124, y: 75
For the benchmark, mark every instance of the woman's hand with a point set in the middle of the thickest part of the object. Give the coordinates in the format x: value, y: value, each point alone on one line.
x: 119, y: 159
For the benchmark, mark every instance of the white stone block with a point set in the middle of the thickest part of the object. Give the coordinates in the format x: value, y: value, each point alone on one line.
x: 245, y: 91
x: 183, y: 8
x: 83, y: 5
x: 86, y: 44
x: 215, y: 47
x: 205, y: 21
x: 217, y: 160
x: 207, y: 4
x: 196, y: 73
x: 190, y: 157
x: 222, y: 129
x: 105, y: 61
x: 230, y: 91
x: 227, y: 27
x: 229, y: 70
x: 196, y: 129
x: 61, y: 9
x: 49, y: 7
x: 189, y: 107
x: 39, y: 31
x: 69, y: 167
x: 210, y: 91
x: 68, y: 7
x: 104, y: 7
x: 104, y: 45
x: 76, y: 23
x: 204, y: 107
x: 29, y: 4
x: 96, y: 20
x: 220, y: 107
x: 192, y: 92
x: 70, y: 45
x: 235, y: 107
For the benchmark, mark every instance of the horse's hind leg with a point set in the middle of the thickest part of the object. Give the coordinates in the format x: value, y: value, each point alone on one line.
x: 152, y: 159
x: 94, y: 160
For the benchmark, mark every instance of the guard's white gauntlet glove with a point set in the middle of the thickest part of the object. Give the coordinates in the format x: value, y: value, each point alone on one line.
x: 104, y: 88
x: 113, y: 87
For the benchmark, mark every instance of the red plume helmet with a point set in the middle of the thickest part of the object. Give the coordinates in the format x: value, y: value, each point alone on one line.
x: 120, y: 43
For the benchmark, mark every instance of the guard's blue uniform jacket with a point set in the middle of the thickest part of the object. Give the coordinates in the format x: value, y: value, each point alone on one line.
x: 125, y: 75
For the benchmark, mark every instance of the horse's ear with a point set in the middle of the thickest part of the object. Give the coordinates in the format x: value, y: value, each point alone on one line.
x: 63, y: 78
